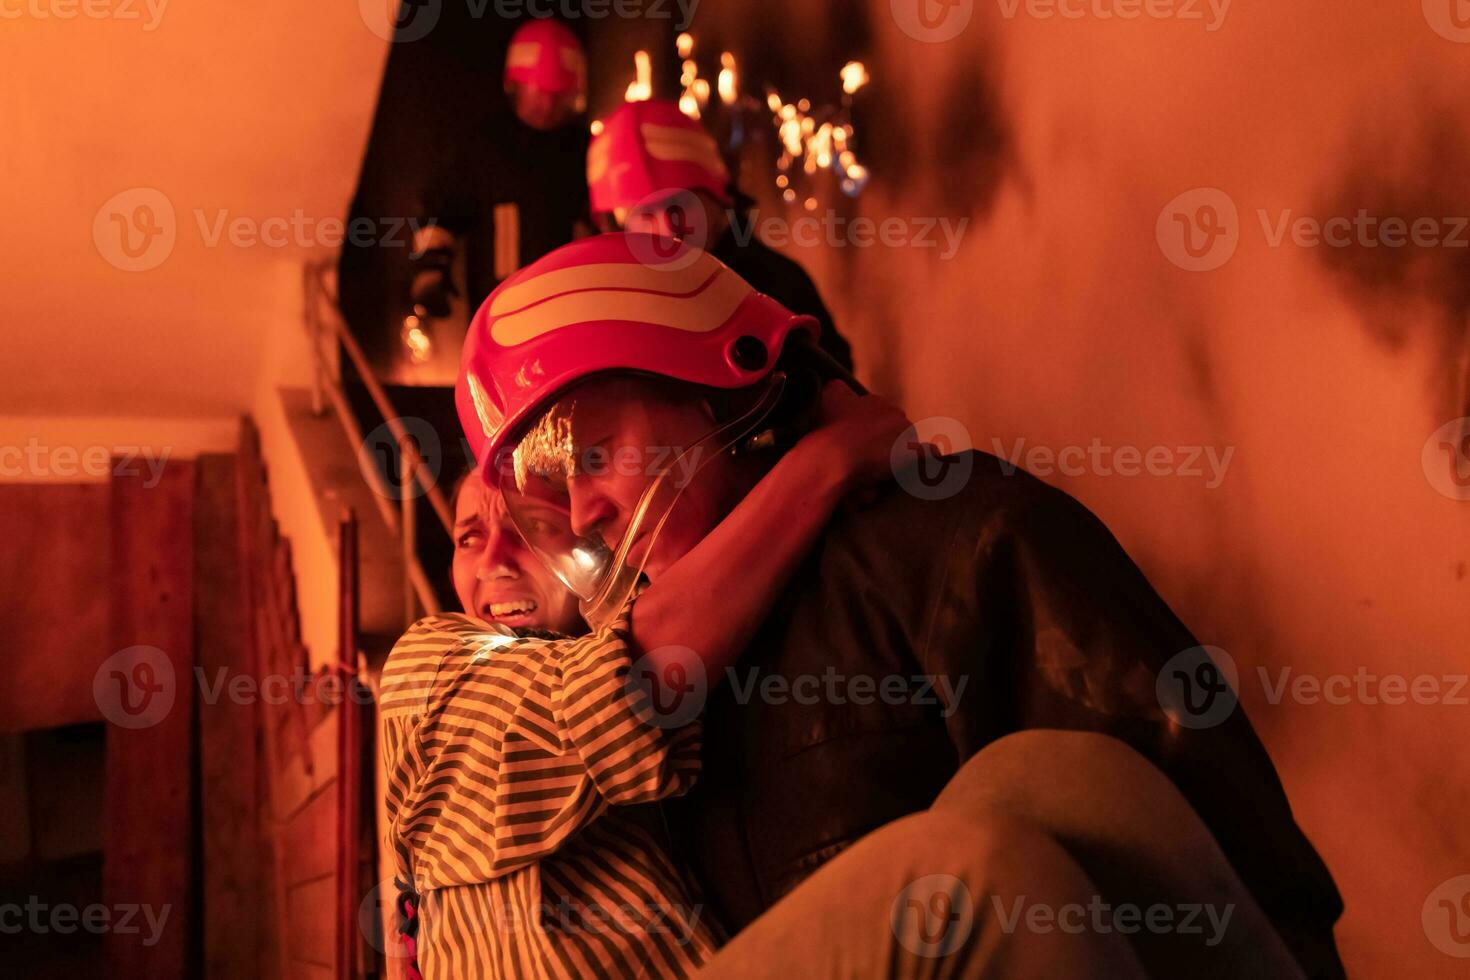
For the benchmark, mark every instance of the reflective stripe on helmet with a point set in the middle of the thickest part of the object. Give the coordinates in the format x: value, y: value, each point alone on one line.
x: 681, y: 278
x: 628, y: 293
x: 610, y: 303
x: 677, y: 145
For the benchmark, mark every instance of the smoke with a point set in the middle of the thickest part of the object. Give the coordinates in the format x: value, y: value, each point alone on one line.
x: 1069, y: 317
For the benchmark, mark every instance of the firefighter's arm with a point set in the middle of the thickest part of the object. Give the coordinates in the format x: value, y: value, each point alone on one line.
x: 712, y: 599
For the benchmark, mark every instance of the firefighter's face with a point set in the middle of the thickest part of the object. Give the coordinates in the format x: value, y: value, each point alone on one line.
x: 626, y: 434
x: 695, y: 216
x: 675, y: 218
x: 496, y: 576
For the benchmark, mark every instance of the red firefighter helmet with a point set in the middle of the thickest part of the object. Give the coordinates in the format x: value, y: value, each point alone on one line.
x: 649, y: 149
x: 582, y: 315
x: 546, y: 74
x: 607, y: 303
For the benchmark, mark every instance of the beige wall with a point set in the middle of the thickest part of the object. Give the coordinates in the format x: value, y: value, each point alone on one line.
x: 209, y: 114
x: 253, y: 114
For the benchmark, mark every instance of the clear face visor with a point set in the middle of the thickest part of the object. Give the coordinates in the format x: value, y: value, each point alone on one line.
x: 592, y: 480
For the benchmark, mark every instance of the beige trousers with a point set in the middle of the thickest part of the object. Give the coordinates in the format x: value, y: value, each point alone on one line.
x: 1051, y: 855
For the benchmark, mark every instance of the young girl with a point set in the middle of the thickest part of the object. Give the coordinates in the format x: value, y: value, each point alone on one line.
x: 513, y: 760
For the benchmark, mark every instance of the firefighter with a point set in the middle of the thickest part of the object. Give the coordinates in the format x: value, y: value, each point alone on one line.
x: 997, y: 611
x: 653, y: 169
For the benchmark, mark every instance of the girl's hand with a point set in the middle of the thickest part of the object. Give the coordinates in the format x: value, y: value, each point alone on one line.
x: 856, y: 435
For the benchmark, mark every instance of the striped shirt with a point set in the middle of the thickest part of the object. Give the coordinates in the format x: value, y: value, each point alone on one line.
x: 511, y: 762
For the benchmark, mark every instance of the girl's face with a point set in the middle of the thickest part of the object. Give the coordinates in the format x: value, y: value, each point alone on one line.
x: 496, y: 576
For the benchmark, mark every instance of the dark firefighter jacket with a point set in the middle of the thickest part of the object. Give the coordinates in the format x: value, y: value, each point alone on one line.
x: 1018, y: 589
x: 787, y: 283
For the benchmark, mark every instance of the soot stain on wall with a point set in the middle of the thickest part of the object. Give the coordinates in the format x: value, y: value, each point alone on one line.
x: 1411, y: 168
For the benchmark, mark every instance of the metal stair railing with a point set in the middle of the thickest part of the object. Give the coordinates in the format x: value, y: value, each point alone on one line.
x: 327, y: 331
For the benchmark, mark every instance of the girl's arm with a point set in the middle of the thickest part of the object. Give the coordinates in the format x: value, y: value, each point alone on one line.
x: 499, y: 748
x: 713, y: 598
